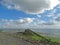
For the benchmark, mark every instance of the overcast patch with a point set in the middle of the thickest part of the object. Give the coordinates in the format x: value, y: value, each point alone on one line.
x: 31, y: 6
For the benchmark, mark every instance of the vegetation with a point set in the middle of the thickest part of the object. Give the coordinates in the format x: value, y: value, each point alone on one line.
x: 55, y: 39
x: 0, y: 30
x: 31, y: 38
x: 35, y: 38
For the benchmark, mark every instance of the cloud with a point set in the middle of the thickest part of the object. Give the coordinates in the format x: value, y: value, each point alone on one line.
x: 57, y: 19
x: 31, y: 6
x: 52, y: 22
x: 39, y: 16
x: 20, y: 23
x: 41, y: 22
x: 25, y: 20
x: 48, y: 23
x: 29, y: 23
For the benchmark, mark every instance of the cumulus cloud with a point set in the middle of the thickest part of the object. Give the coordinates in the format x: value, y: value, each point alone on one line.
x: 31, y: 6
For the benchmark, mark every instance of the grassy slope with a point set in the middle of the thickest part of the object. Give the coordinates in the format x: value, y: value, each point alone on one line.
x: 0, y: 30
x: 32, y: 36
x: 53, y: 39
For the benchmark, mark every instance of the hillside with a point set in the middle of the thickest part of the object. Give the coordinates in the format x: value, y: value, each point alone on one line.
x: 34, y: 38
x: 27, y: 37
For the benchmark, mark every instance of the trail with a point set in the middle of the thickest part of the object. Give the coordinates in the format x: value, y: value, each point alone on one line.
x: 6, y: 39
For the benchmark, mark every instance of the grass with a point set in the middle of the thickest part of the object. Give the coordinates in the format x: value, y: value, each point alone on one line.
x: 35, y: 37
x: 0, y: 30
x: 32, y: 35
x: 55, y: 39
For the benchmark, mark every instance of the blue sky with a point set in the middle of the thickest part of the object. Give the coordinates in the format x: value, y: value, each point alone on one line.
x: 21, y: 14
x: 13, y: 14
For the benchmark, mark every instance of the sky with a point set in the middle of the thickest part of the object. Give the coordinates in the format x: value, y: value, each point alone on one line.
x: 35, y: 14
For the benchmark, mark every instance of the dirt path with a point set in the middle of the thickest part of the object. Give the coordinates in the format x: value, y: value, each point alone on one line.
x: 5, y: 39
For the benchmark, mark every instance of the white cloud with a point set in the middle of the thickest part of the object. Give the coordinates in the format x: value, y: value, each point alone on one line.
x: 30, y: 23
x: 57, y: 19
x: 50, y: 15
x: 54, y: 26
x: 39, y: 16
x: 20, y: 23
x: 31, y: 6
x: 25, y: 20
x: 54, y: 3
x: 37, y: 23
x: 41, y: 22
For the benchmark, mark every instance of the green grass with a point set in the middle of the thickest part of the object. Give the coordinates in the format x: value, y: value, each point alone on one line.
x: 55, y: 39
x: 35, y: 37
x: 0, y: 30
x: 32, y: 36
